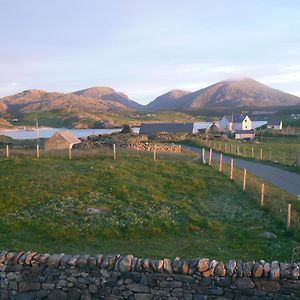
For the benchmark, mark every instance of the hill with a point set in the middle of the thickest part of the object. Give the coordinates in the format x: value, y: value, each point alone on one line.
x: 230, y: 93
x: 168, y: 101
x: 97, y: 99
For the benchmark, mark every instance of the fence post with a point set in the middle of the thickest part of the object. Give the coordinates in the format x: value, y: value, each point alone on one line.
x: 221, y: 162
x: 7, y: 151
x: 270, y: 154
x: 252, y: 152
x: 231, y: 169
x: 289, y: 213
x: 70, y: 152
x: 220, y: 147
x: 262, y: 195
x: 261, y: 154
x: 37, y: 151
x: 244, y: 180
x: 238, y: 150
x: 203, y: 156
x: 154, y: 153
x: 115, y: 152
x: 210, y: 157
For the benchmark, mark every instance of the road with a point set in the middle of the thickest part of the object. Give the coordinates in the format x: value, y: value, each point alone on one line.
x: 286, y: 180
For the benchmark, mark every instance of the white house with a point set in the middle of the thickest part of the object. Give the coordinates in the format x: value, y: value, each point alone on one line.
x: 244, y: 134
x: 276, y: 125
x: 241, y: 122
x: 235, y: 122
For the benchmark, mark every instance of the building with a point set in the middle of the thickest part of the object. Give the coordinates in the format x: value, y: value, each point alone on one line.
x: 276, y: 125
x: 235, y: 122
x: 61, y: 141
x: 155, y: 128
x: 244, y: 134
x: 226, y: 122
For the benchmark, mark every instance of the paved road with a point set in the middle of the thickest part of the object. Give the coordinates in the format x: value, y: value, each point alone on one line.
x: 286, y: 180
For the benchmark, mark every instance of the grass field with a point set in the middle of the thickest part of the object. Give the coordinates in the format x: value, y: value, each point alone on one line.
x: 169, y: 207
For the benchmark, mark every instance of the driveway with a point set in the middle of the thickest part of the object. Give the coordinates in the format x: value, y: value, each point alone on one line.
x: 286, y: 180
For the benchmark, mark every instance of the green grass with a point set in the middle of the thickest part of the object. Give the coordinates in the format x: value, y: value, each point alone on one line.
x: 170, y: 207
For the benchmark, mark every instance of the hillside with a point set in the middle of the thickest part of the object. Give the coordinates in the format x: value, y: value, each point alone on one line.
x: 230, y: 93
x: 91, y: 100
x: 168, y: 101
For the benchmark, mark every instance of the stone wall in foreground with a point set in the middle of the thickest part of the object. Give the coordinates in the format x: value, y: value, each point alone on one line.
x: 31, y: 275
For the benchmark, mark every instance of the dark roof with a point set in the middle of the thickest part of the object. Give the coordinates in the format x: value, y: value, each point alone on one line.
x: 245, y: 131
x: 238, y: 118
x: 274, y: 122
x: 154, y: 128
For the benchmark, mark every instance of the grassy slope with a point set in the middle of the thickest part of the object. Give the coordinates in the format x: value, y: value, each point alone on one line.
x: 166, y: 208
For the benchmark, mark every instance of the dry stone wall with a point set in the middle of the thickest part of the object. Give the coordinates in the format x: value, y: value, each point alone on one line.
x: 29, y: 275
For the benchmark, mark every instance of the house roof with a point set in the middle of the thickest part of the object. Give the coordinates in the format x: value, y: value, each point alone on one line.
x: 154, y: 128
x: 238, y: 118
x: 274, y: 122
x: 245, y: 131
x: 69, y: 137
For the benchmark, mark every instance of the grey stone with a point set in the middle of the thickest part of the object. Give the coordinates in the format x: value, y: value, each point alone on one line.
x: 267, y: 285
x: 82, y: 261
x: 25, y: 296
x: 244, y: 283
x: 43, y: 258
x: 138, y: 288
x: 231, y: 265
x: 268, y: 235
x: 267, y: 270
x: 147, y: 265
x: 74, y: 294
x: 143, y: 296
x: 57, y: 295
x: 257, y: 270
x: 72, y: 261
x: 247, y: 268
x: 275, y: 270
x: 28, y: 258
x: 220, y: 269
x: 295, y: 272
x: 29, y: 286
x: 177, y: 265
x: 54, y: 260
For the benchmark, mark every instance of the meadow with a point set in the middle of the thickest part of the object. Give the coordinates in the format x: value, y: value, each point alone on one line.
x: 173, y: 206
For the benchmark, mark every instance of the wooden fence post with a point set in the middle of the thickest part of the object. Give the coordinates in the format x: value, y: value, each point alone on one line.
x: 70, y: 152
x: 244, y: 180
x: 115, y: 152
x: 154, y: 153
x: 220, y: 162
x: 252, y: 152
x: 37, y: 151
x: 220, y: 147
x: 261, y: 154
x: 210, y: 157
x: 262, y: 195
x: 238, y: 150
x: 203, y: 156
x: 231, y: 169
x: 7, y: 151
x: 289, y: 214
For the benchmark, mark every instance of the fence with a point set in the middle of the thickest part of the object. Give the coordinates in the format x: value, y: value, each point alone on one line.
x: 284, y: 207
x: 262, y: 151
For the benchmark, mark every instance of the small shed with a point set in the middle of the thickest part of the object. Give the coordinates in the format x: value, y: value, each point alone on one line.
x: 244, y: 134
x: 155, y: 128
x: 61, y: 140
x: 273, y: 124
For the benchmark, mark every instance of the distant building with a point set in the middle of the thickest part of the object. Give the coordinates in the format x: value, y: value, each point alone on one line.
x: 61, y: 141
x: 276, y: 125
x: 235, y: 122
x: 244, y: 134
x: 155, y: 128
x: 214, y: 128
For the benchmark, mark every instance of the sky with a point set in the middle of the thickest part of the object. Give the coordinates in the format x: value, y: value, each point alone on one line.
x: 145, y: 48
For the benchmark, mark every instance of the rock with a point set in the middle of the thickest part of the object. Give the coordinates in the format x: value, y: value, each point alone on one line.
x: 185, y: 267
x: 143, y: 296
x: 177, y: 265
x: 146, y: 265
x: 29, y: 286
x: 43, y: 258
x: 247, y: 268
x: 82, y: 261
x: 212, y: 265
x: 138, y: 288
x: 268, y: 235
x: 2, y: 256
x: 268, y: 285
x: 267, y: 270
x: 244, y: 283
x: 72, y: 261
x: 25, y: 296
x: 203, y: 264
x: 57, y: 295
x: 99, y: 258
x: 28, y: 258
x: 74, y: 294
x: 220, y: 269
x: 125, y: 264
x: 295, y: 272
x: 231, y: 265
x: 257, y: 270
x: 239, y: 269
x: 54, y: 260
x: 168, y: 265
x: 275, y: 270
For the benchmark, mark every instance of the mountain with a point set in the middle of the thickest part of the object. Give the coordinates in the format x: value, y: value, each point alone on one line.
x: 107, y: 94
x: 98, y: 99
x: 230, y: 93
x: 167, y: 101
